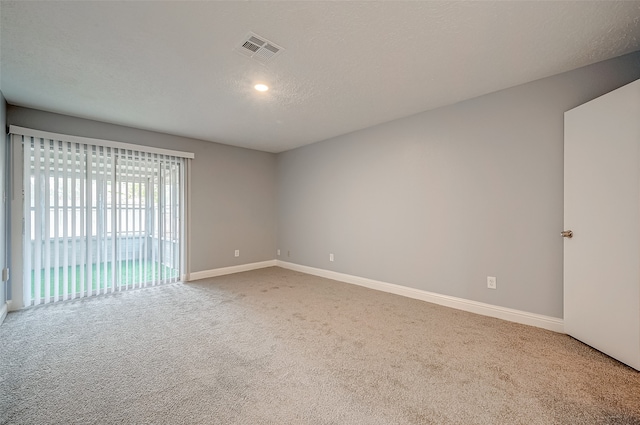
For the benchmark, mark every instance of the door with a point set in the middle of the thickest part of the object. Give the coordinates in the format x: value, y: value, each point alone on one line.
x: 602, y: 209
x: 98, y: 219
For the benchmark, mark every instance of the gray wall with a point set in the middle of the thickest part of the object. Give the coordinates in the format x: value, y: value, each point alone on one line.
x: 233, y: 202
x: 440, y: 200
x: 436, y: 201
x: 3, y: 183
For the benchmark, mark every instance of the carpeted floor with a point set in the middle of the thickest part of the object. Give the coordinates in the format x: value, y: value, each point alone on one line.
x: 273, y: 346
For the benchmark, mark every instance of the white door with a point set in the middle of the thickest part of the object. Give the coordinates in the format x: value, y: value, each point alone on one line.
x: 602, y: 209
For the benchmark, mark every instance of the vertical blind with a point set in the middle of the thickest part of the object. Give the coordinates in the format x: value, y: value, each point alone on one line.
x: 99, y: 219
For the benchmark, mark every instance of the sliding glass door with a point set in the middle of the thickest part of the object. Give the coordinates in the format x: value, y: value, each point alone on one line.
x: 98, y: 219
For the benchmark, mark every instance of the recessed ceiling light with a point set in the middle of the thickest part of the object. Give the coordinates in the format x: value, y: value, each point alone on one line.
x: 261, y: 87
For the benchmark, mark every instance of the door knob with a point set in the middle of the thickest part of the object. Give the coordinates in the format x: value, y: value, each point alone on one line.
x: 567, y: 234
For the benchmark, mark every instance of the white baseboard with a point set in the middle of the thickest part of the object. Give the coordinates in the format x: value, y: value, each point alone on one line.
x: 13, y: 306
x: 3, y: 312
x: 518, y: 316
x: 229, y: 270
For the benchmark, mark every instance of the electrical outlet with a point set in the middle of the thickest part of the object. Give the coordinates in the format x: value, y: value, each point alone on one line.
x: 330, y: 257
x: 237, y: 254
x: 492, y: 282
x: 278, y: 253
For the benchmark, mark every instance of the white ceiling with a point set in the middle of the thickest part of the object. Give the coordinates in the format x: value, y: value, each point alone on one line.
x: 171, y: 66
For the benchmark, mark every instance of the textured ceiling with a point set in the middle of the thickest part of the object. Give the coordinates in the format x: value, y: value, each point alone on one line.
x: 171, y: 66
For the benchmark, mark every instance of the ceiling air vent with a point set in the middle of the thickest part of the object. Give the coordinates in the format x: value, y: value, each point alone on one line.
x: 258, y: 48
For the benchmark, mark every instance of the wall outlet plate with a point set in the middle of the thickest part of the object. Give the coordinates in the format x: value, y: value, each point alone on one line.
x: 492, y: 282
x: 237, y: 253
x: 330, y: 257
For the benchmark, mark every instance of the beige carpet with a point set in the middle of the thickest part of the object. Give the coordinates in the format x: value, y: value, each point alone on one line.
x: 274, y: 346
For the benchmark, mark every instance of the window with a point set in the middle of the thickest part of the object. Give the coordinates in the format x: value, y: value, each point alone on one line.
x: 99, y: 218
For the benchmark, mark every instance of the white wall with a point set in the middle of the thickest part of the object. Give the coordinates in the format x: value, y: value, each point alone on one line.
x: 440, y: 200
x: 232, y: 194
x: 3, y: 182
